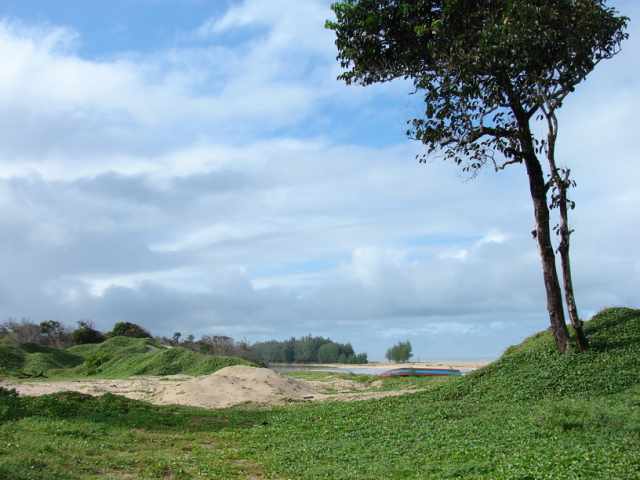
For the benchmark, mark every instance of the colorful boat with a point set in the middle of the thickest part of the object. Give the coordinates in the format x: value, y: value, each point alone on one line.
x: 421, y: 372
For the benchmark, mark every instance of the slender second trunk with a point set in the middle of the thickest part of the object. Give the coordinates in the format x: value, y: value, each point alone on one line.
x: 564, y: 231
x: 581, y: 338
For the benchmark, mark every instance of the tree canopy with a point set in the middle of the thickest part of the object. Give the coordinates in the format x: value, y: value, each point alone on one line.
x: 484, y: 68
x: 400, y: 352
x: 307, y: 349
x: 487, y: 70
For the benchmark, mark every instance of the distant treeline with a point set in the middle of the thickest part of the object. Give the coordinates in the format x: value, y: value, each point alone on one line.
x: 307, y: 349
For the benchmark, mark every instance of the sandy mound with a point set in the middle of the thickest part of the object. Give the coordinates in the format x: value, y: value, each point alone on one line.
x: 225, y: 388
x: 238, y: 384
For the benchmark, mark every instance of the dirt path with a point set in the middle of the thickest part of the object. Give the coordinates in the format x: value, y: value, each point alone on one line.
x: 225, y: 388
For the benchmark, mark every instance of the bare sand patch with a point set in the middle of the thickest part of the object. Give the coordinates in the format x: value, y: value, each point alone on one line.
x: 238, y: 384
x: 465, y: 366
x: 225, y: 388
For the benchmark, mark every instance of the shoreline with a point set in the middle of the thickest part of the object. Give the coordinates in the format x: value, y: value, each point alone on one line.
x: 463, y: 365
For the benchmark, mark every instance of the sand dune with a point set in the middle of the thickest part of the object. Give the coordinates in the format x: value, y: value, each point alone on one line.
x: 225, y: 388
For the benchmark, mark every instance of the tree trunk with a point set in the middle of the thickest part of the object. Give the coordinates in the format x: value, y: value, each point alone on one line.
x: 547, y: 255
x: 538, y: 192
x: 564, y: 230
x: 581, y: 338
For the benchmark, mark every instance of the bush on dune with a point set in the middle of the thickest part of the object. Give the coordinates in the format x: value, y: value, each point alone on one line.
x: 127, y: 329
x: 86, y: 334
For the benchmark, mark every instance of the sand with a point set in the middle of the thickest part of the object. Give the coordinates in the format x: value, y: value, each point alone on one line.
x: 239, y: 384
x: 462, y: 365
x: 227, y: 387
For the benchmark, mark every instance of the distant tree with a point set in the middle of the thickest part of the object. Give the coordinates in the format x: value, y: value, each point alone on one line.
x: 328, y: 353
x: 126, y: 329
x: 487, y: 70
x: 50, y: 327
x: 400, y: 352
x: 360, y: 358
x: 54, y: 334
x: 176, y: 338
x: 24, y: 331
x: 347, y: 350
x: 289, y: 350
x: 308, y: 349
x: 217, y: 345
x: 86, y: 333
x: 269, y: 352
x: 304, y: 351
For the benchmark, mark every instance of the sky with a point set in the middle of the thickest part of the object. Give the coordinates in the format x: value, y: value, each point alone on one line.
x: 195, y: 166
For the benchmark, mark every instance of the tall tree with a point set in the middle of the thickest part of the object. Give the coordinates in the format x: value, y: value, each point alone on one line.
x: 485, y: 69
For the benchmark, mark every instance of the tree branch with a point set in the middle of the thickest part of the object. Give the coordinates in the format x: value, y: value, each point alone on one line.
x: 480, y: 132
x: 502, y: 166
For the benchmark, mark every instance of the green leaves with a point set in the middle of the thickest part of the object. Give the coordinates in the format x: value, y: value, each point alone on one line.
x: 484, y: 68
x: 400, y: 352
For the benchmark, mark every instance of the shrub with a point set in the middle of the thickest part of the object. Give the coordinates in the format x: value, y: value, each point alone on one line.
x: 10, y: 405
x: 94, y: 362
x: 126, y: 329
x: 85, y: 333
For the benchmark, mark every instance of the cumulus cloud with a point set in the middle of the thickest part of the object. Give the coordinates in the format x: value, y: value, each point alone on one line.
x: 178, y: 189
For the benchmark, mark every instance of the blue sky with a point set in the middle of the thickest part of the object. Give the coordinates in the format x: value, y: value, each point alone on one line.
x: 196, y: 166
x: 119, y: 25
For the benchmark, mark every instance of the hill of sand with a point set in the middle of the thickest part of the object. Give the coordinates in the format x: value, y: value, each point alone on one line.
x: 225, y: 388
x: 235, y: 385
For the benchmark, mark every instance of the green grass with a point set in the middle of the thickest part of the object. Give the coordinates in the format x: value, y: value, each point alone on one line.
x: 372, y: 382
x: 71, y: 435
x: 117, y: 357
x: 534, y: 414
x: 32, y: 359
x: 121, y: 357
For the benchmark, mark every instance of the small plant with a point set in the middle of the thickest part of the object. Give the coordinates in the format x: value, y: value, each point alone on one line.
x: 95, y: 361
x: 10, y: 405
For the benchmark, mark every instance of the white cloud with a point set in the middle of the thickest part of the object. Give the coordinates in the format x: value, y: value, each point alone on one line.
x: 152, y: 187
x: 130, y: 109
x: 290, y: 25
x: 494, y: 236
